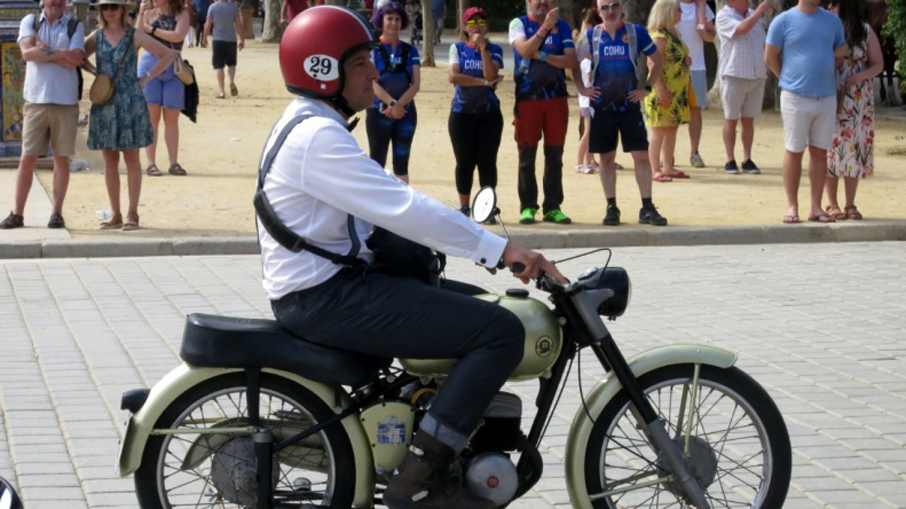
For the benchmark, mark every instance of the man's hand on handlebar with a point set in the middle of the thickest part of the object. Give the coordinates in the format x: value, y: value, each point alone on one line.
x: 530, y: 262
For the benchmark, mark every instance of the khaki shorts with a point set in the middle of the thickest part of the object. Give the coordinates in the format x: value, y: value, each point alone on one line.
x: 741, y: 97
x: 807, y: 121
x: 53, y: 123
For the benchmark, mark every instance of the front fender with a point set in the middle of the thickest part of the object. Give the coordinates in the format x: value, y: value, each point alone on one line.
x: 184, y: 377
x: 609, y: 386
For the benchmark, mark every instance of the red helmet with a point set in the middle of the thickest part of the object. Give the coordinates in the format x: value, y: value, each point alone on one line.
x: 315, y: 45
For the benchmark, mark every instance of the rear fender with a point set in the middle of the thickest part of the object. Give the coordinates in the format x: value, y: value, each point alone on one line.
x: 184, y: 377
x: 608, y: 387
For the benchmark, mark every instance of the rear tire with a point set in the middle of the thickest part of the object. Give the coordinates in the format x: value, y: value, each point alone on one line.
x: 740, y: 443
x: 193, y: 470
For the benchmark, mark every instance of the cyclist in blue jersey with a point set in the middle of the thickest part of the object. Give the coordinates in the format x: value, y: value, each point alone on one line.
x: 543, y: 49
x: 476, y: 123
x: 615, y: 95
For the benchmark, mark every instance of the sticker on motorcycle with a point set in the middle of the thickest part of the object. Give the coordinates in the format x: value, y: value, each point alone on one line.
x: 322, y: 67
x: 391, y: 431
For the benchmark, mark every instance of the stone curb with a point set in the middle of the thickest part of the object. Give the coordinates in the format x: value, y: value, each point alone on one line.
x: 625, y: 236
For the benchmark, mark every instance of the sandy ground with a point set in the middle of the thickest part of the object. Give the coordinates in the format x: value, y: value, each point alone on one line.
x: 221, y: 155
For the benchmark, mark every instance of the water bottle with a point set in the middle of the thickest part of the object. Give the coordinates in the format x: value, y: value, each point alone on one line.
x: 102, y: 215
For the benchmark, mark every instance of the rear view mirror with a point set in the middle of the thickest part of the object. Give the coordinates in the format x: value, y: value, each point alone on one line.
x: 9, y: 499
x: 484, y: 206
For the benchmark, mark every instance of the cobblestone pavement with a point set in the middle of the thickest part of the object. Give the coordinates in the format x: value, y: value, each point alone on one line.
x: 822, y: 327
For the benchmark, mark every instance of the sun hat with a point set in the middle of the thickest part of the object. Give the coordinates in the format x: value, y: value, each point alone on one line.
x: 472, y: 12
x: 125, y: 3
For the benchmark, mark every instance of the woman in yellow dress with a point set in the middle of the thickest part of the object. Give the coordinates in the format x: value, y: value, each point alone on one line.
x: 665, y: 114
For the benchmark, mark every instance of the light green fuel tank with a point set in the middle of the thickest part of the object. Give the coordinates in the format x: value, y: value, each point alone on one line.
x: 542, y: 340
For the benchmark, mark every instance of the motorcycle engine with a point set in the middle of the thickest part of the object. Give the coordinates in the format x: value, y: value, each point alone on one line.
x: 490, y: 474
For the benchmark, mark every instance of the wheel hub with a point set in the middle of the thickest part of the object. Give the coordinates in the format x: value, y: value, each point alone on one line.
x: 233, y: 472
x: 701, y: 463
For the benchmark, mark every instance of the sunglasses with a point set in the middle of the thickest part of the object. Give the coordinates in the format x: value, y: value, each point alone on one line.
x: 610, y: 7
x: 110, y: 7
x: 476, y: 22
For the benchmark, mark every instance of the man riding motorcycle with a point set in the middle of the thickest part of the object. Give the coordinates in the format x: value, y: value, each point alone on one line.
x: 329, y: 194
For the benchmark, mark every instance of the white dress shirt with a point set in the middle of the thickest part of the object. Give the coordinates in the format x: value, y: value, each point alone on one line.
x: 320, y: 176
x: 50, y: 82
x: 741, y: 56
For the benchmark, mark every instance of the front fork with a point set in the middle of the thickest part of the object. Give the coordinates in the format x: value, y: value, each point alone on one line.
x: 607, y: 352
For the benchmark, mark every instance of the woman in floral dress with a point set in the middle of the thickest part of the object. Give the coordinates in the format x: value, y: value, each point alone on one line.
x: 665, y: 114
x: 852, y: 153
x: 122, y: 123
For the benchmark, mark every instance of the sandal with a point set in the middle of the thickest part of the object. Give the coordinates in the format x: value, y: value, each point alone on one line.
x: 153, y: 171
x: 678, y: 175
x: 220, y: 96
x: 790, y: 219
x: 176, y: 169
x: 662, y: 177
x: 835, y: 212
x: 853, y: 213
x: 113, y: 223
x: 131, y: 224
x: 233, y: 90
x: 821, y: 218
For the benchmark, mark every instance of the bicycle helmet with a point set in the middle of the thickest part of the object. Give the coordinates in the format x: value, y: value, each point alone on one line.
x: 314, y: 47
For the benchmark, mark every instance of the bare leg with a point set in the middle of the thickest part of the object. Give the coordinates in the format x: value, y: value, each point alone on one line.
x: 134, y: 179
x: 830, y: 187
x: 817, y: 173
x: 171, y: 134
x: 219, y: 74
x: 695, y: 129
x: 112, y: 179
x: 850, y: 185
x: 60, y: 182
x: 642, y: 172
x: 654, y: 149
x: 668, y: 150
x: 24, y: 177
x: 404, y: 178
x: 464, y: 200
x: 232, y: 72
x: 151, y: 150
x: 608, y: 174
x: 582, y: 154
x: 792, y: 173
x: 748, y: 137
x: 730, y: 138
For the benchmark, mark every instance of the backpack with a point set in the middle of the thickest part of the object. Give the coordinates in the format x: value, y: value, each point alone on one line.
x: 37, y: 21
x: 389, y: 66
x: 633, y: 49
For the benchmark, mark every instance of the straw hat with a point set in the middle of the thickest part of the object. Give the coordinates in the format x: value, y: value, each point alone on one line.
x: 125, y: 3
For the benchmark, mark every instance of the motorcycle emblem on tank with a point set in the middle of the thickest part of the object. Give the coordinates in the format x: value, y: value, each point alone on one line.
x: 544, y: 346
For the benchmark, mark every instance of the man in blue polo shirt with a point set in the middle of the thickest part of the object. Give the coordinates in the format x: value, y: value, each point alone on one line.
x: 616, y: 95
x: 804, y: 46
x: 543, y: 49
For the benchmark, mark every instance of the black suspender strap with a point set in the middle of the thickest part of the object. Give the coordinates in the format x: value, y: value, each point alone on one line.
x: 282, y: 233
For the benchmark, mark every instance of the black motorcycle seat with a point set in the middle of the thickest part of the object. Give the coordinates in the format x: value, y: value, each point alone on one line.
x: 229, y: 342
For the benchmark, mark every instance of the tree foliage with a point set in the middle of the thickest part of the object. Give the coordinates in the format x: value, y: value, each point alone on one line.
x: 895, y: 28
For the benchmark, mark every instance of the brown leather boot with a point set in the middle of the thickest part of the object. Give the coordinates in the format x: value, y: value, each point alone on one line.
x: 425, y: 480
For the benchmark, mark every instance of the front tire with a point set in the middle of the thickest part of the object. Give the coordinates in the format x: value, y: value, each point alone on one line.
x: 218, y: 470
x: 739, y: 447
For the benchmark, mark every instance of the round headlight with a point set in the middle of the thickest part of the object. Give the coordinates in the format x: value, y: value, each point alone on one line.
x: 616, y: 279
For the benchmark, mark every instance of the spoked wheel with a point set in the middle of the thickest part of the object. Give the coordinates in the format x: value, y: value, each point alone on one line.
x: 738, y: 448
x: 218, y: 470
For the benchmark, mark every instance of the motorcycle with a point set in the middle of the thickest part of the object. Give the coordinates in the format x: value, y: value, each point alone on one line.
x: 259, y: 418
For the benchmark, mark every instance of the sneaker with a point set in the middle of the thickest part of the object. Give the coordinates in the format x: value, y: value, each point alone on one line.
x: 731, y: 168
x: 651, y: 216
x: 13, y: 220
x: 466, y: 211
x: 528, y: 215
x: 612, y: 218
x: 557, y: 216
x: 56, y: 221
x: 696, y: 161
x: 749, y: 167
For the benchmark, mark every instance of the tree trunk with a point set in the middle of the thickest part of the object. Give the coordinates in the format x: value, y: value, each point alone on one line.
x: 271, y: 31
x: 637, y: 11
x: 428, y: 40
x: 461, y: 6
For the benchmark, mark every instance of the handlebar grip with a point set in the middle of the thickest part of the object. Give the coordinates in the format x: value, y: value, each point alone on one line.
x: 517, y: 268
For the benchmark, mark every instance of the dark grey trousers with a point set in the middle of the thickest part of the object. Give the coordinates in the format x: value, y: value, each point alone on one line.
x: 390, y: 316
